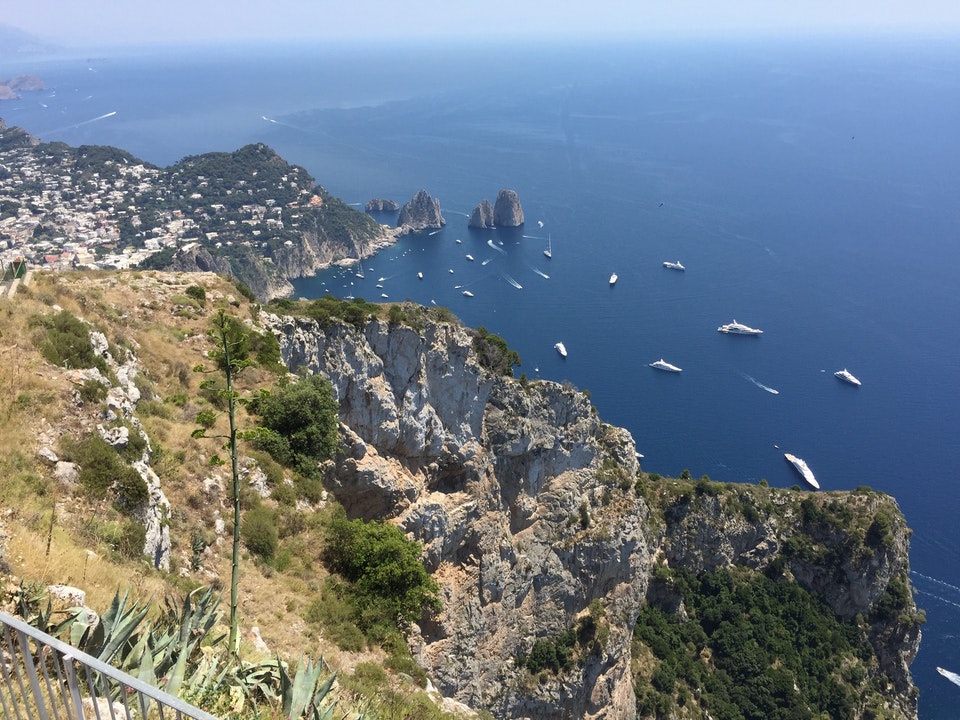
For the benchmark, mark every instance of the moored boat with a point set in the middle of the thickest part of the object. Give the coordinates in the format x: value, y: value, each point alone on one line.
x: 673, y: 265
x: 613, y: 279
x: 847, y: 377
x: 468, y: 293
x: 662, y: 364
x: 736, y: 328
x: 560, y: 348
x: 805, y: 472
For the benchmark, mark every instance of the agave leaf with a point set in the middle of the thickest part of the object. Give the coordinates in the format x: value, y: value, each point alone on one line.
x: 123, y: 623
x: 305, y: 692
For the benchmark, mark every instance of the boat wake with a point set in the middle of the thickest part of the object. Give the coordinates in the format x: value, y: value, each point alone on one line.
x: 760, y: 384
x: 513, y: 282
x: 541, y: 273
x: 949, y: 675
x: 496, y: 247
x: 84, y: 122
x: 936, y: 589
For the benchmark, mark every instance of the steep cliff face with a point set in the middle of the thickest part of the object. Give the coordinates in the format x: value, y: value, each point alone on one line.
x: 420, y: 213
x: 506, y: 210
x: 534, y: 513
x: 265, y: 280
x: 482, y: 215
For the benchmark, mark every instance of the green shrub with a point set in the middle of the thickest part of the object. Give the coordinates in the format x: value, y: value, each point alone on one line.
x: 66, y: 341
x: 197, y: 293
x: 102, y: 472
x: 386, y: 582
x: 259, y: 532
x: 92, y: 391
x: 493, y: 353
x: 299, y: 424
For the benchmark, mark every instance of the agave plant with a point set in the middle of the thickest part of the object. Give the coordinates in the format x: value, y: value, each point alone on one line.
x: 304, y: 696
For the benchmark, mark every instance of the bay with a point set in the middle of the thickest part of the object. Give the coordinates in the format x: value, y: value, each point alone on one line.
x: 808, y: 187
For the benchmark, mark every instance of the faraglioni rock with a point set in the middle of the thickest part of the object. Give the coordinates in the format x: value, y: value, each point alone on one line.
x: 420, y: 213
x: 381, y: 205
x: 482, y: 215
x: 507, y: 211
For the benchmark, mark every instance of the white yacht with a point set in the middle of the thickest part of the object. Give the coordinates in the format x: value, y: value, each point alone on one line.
x: 847, y: 376
x: 736, y: 328
x: 470, y: 258
x: 662, y: 364
x: 420, y: 275
x: 673, y: 265
x: 803, y: 469
x: 549, y: 250
x: 613, y: 279
x: 468, y: 293
x: 561, y: 349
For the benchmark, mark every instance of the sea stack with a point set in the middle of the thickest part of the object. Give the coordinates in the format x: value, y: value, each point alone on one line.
x: 420, y: 213
x: 482, y: 215
x: 381, y: 205
x: 507, y: 211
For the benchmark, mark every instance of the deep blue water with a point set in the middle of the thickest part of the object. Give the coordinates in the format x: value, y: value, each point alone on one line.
x: 809, y: 188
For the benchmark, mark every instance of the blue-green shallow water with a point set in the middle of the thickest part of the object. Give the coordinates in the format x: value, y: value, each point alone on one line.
x: 809, y: 188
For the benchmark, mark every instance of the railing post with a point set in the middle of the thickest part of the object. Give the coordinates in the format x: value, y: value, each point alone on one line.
x: 31, y: 669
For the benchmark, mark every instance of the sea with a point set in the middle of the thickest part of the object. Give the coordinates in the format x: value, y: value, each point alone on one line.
x: 810, y: 187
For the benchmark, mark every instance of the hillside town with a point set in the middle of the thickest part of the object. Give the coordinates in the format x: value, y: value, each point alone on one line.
x: 97, y: 207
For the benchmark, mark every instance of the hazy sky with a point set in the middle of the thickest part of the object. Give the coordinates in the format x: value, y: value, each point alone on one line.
x: 97, y: 22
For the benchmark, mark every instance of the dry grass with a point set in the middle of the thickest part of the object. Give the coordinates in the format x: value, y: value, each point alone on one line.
x: 138, y: 311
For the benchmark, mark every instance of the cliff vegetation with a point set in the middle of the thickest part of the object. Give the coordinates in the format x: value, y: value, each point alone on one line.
x: 453, y: 541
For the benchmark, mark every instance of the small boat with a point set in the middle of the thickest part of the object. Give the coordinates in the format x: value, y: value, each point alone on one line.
x: 470, y: 258
x: 486, y: 261
x: 458, y: 241
x: 359, y: 275
x: 451, y: 271
x: 847, y: 377
x: 805, y: 472
x: 467, y: 293
x: 613, y: 279
x: 384, y: 295
x: 549, y: 251
x: 736, y: 328
x: 420, y: 276
x: 379, y: 285
x: 662, y: 364
x: 381, y: 279
x: 674, y: 265
x: 559, y: 347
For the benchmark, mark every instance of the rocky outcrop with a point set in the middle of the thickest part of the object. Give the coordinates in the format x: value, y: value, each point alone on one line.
x: 265, y: 280
x: 381, y: 205
x: 15, y: 137
x: 524, y: 502
x: 11, y: 89
x: 506, y: 210
x: 421, y: 213
x: 482, y: 215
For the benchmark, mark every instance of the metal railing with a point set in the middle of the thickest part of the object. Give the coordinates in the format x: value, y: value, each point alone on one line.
x: 42, y: 678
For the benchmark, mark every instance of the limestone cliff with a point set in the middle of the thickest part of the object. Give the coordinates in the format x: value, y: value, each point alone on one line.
x: 531, y: 509
x: 506, y: 210
x: 421, y: 213
x: 482, y: 215
x: 381, y: 205
x: 266, y: 281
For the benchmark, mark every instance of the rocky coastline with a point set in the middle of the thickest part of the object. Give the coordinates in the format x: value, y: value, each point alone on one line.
x: 508, y: 487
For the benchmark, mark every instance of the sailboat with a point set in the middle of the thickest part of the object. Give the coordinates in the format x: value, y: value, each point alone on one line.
x: 548, y: 252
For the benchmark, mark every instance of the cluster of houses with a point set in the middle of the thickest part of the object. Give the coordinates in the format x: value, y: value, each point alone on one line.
x: 54, y: 216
